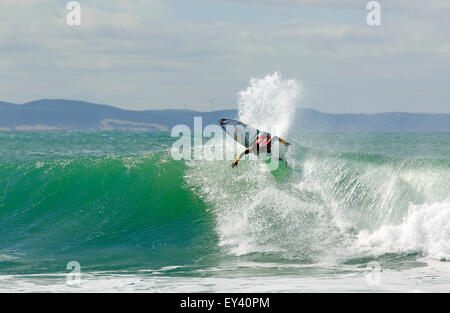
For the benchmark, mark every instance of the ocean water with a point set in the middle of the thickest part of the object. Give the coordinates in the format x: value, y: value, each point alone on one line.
x: 354, y: 212
x: 112, y: 211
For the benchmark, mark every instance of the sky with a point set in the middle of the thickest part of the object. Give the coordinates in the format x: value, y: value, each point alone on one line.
x: 198, y: 54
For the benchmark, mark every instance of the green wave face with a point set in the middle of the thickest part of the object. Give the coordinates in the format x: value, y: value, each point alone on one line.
x: 118, y: 201
x: 108, y: 212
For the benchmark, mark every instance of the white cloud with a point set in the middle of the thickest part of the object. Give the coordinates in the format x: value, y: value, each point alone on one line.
x: 140, y: 54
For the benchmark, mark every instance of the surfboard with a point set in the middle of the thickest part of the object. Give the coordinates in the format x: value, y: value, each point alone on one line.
x: 246, y: 135
x: 241, y: 132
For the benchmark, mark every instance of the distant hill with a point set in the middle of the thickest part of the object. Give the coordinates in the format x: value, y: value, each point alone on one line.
x: 48, y: 114
x: 78, y: 115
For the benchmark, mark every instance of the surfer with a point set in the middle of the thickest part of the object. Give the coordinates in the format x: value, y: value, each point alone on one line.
x: 245, y: 135
x: 263, y: 143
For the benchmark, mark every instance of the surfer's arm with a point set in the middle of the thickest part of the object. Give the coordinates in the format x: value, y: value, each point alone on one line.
x: 244, y: 152
x: 276, y: 138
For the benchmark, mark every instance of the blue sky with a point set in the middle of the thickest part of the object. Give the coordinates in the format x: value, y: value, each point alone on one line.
x: 199, y: 54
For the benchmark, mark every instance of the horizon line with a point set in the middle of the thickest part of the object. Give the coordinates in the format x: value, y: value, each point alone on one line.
x: 229, y: 109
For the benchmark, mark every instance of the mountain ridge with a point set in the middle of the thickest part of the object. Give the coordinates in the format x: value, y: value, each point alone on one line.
x: 53, y: 114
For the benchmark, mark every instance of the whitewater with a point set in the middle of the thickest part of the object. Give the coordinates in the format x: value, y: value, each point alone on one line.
x: 354, y: 211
